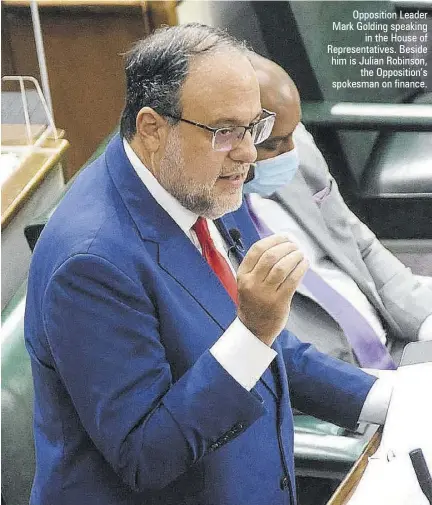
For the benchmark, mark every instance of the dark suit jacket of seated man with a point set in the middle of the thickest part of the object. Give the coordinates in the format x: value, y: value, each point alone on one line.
x: 132, y: 402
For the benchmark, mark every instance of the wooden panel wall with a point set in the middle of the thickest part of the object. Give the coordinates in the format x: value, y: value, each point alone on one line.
x: 84, y: 42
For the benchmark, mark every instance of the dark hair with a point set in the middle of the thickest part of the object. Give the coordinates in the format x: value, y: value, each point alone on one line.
x: 157, y: 67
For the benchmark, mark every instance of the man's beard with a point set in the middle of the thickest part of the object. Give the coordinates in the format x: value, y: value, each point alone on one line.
x: 194, y: 196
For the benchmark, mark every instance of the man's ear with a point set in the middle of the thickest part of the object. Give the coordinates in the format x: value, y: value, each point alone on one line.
x: 151, y: 128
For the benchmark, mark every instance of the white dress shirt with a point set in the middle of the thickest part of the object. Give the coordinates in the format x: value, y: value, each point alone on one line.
x: 238, y: 351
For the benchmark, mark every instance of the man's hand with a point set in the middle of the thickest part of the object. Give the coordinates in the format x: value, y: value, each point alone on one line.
x: 267, y: 279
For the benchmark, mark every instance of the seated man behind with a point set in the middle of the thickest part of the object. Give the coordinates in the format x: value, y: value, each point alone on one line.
x: 357, y: 293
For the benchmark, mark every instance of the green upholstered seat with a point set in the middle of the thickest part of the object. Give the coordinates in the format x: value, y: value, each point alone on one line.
x: 18, y: 459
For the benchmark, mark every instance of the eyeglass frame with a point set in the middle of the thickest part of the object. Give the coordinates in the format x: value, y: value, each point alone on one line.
x: 215, y: 130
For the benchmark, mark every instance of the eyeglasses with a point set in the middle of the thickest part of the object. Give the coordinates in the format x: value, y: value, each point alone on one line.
x: 230, y: 137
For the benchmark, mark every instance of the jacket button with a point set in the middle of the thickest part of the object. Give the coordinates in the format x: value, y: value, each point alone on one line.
x: 284, y: 483
x: 237, y: 428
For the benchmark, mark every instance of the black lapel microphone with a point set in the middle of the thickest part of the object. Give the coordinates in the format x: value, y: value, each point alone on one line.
x: 236, y: 237
x: 233, y: 239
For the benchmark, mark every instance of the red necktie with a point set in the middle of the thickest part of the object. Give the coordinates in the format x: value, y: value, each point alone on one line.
x: 215, y: 259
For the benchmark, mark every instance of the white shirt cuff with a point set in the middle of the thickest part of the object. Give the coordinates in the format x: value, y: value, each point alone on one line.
x: 242, y: 354
x: 425, y: 332
x: 377, y: 401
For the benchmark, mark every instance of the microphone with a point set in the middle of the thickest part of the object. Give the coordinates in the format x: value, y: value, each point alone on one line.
x: 236, y: 246
x: 421, y: 470
x: 236, y: 237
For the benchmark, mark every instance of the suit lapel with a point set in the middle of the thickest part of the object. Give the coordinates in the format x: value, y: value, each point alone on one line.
x: 224, y: 225
x: 180, y: 259
x: 298, y: 200
x: 176, y: 253
x: 278, y: 375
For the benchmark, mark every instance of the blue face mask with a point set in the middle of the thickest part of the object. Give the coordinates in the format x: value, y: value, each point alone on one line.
x: 273, y: 174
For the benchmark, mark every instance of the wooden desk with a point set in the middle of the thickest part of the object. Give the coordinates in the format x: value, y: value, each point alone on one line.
x: 19, y: 187
x: 32, y: 188
x: 347, y: 487
x: 16, y: 134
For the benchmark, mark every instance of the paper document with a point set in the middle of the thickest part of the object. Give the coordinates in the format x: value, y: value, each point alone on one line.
x: 389, y: 478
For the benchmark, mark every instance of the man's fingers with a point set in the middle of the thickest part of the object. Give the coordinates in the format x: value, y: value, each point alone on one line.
x: 258, y: 249
x: 270, y: 258
x: 284, y: 267
x: 294, y: 278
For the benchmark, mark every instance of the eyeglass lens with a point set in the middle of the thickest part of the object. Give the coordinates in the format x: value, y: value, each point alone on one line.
x: 226, y: 139
x: 263, y: 129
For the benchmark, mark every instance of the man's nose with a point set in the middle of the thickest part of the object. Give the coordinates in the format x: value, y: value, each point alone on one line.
x: 246, y: 151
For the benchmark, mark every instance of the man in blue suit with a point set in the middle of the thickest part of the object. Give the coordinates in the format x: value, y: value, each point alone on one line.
x: 158, y: 376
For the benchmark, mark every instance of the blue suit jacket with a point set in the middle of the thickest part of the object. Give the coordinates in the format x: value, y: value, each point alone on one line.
x: 130, y: 406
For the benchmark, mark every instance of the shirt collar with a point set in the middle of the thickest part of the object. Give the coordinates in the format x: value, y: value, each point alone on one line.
x: 184, y: 218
